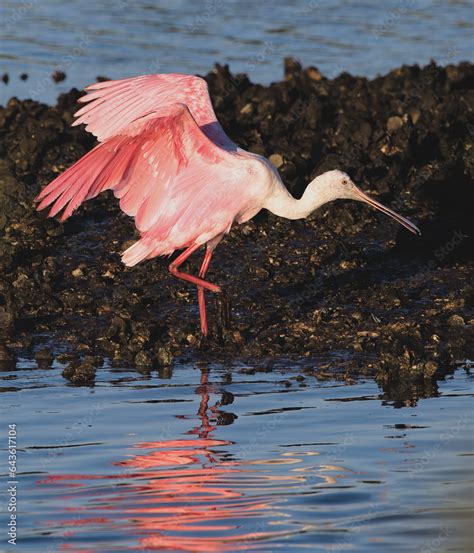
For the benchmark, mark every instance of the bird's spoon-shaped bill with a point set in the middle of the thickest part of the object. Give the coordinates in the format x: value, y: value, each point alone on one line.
x: 361, y: 196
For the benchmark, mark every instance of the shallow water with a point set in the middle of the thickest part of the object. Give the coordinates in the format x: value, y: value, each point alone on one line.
x: 123, y: 38
x: 215, y: 459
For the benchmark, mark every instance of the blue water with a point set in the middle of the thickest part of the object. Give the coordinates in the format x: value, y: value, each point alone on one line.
x: 121, y: 38
x: 208, y: 459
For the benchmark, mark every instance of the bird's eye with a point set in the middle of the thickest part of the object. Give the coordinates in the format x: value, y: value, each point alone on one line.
x: 344, y: 182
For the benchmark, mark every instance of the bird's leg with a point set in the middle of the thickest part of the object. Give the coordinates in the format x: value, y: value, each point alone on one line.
x: 198, y: 281
x: 201, y: 299
x: 222, y: 299
x: 173, y: 269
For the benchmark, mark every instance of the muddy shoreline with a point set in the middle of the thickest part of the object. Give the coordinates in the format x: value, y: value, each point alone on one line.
x: 347, y: 292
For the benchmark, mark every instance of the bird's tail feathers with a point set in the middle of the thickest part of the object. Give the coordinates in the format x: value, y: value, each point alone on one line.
x: 135, y: 253
x: 144, y: 249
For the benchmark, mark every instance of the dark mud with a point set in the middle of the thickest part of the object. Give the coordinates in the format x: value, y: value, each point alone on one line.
x: 348, y: 291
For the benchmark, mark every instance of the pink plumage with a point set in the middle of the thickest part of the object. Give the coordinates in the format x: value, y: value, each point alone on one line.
x: 167, y: 159
x: 158, y: 157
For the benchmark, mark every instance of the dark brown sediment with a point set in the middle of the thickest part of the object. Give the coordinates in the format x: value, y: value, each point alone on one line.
x: 347, y: 292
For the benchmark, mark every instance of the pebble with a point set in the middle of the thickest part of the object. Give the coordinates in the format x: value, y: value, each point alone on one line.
x: 247, y: 109
x: 44, y: 354
x: 80, y: 373
x: 164, y: 357
x: 277, y: 160
x: 58, y: 76
x: 394, y: 123
x: 456, y: 320
x: 414, y: 114
x: 313, y: 74
x: 143, y: 360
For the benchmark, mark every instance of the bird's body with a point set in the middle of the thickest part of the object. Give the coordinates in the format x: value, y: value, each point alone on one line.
x: 166, y: 157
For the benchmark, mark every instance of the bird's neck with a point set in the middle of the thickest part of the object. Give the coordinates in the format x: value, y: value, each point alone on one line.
x: 283, y: 204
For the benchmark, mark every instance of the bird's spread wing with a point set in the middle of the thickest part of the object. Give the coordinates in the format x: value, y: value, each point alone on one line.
x: 168, y: 174
x: 113, y: 105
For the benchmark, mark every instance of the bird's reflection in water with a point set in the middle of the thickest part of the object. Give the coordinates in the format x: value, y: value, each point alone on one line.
x: 184, y: 494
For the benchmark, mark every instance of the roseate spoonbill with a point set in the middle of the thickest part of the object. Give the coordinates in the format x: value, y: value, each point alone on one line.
x: 166, y: 157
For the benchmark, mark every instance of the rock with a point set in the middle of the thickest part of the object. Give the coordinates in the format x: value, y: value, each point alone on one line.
x: 7, y: 322
x: 430, y: 368
x: 456, y: 320
x: 164, y: 357
x: 58, y: 76
x: 7, y: 358
x: 414, y: 114
x: 277, y: 160
x: 292, y: 67
x: 247, y: 109
x: 80, y: 373
x: 313, y: 74
x: 44, y: 354
x: 394, y: 123
x: 143, y: 360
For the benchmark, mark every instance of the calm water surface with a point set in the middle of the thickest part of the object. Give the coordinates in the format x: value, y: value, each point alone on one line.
x: 211, y: 459
x: 131, y: 37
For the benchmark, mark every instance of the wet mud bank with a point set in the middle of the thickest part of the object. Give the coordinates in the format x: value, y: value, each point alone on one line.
x: 347, y: 291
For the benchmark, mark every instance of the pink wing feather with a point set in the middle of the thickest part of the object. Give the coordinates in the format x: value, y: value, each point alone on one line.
x: 178, y: 184
x: 112, y: 105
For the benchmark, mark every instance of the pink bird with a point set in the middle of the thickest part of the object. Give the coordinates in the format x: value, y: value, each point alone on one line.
x: 166, y: 157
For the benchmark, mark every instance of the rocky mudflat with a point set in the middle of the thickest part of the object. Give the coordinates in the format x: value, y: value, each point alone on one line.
x: 347, y: 292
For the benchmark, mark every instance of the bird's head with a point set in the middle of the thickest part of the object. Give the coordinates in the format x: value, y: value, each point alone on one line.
x: 334, y: 185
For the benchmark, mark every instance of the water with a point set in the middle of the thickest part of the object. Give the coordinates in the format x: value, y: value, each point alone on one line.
x: 212, y: 459
x: 124, y: 38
